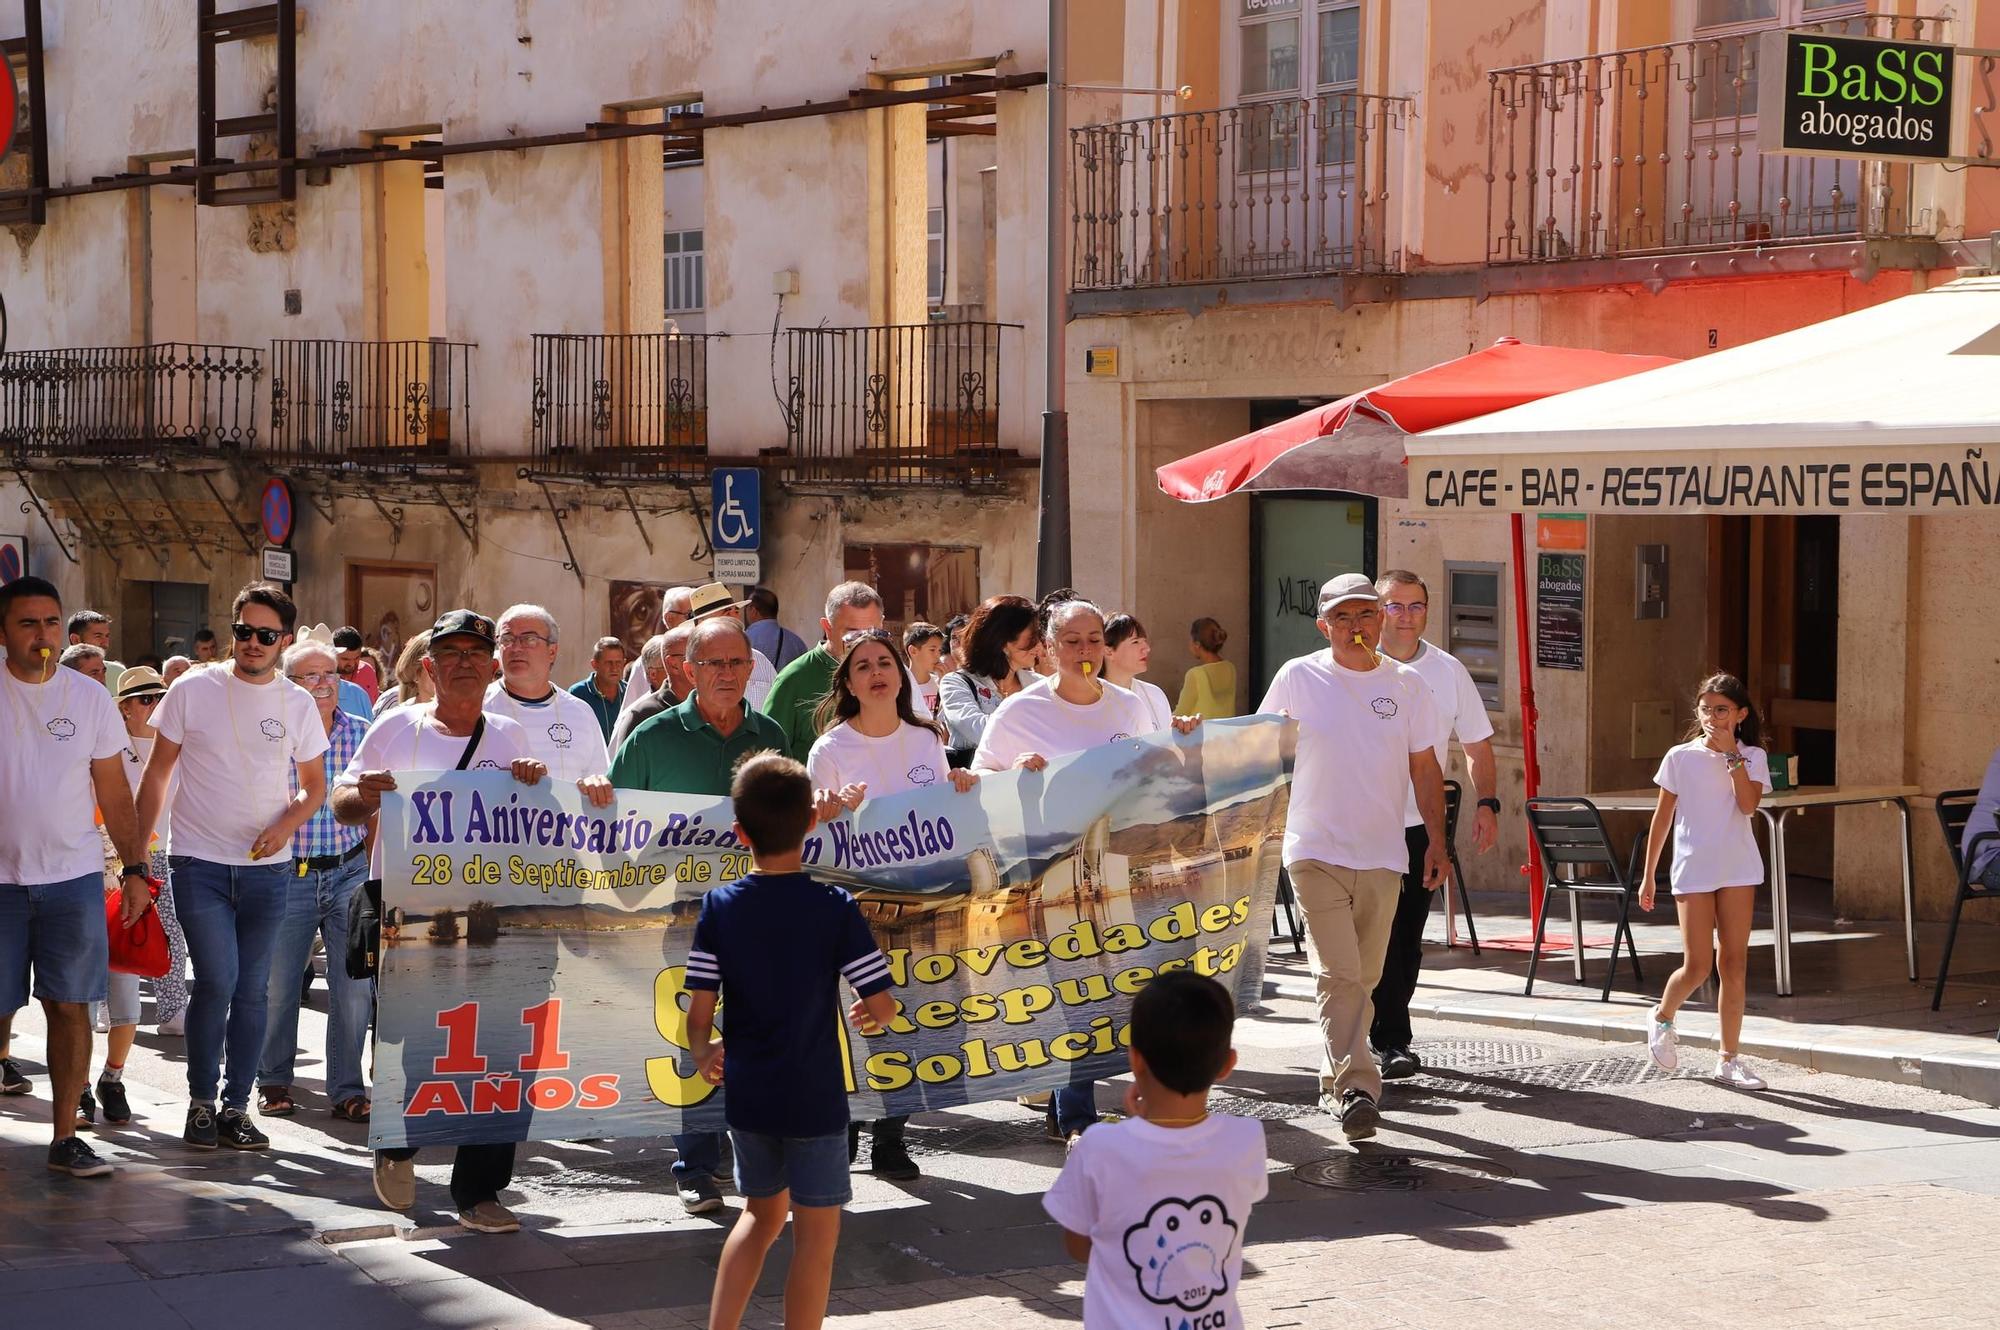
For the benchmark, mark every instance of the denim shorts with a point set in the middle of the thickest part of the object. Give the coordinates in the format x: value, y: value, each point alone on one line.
x: 812, y: 1168
x: 58, y: 931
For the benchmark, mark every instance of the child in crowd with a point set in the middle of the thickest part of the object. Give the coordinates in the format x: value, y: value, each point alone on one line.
x: 1157, y: 1204
x: 777, y: 943
x: 923, y: 647
x: 1709, y: 789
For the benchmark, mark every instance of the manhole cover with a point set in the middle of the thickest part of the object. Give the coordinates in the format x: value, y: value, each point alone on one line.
x: 1586, y: 1074
x: 1285, y: 1109
x: 1374, y: 1171
x: 1478, y: 1052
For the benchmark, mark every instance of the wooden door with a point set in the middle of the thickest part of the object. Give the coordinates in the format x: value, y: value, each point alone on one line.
x: 390, y: 602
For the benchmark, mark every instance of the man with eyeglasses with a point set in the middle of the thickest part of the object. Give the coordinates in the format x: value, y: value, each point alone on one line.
x: 237, y: 736
x: 562, y: 730
x: 1366, y: 729
x: 694, y: 748
x: 673, y: 684
x: 1460, y: 711
x: 327, y: 869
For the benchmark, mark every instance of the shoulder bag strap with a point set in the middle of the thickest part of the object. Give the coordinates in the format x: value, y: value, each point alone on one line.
x: 472, y: 744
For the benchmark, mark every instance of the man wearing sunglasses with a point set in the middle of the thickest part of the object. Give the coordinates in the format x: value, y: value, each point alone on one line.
x: 236, y: 736
x: 694, y: 748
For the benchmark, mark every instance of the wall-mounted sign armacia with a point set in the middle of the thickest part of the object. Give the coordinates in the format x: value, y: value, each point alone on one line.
x: 1829, y: 96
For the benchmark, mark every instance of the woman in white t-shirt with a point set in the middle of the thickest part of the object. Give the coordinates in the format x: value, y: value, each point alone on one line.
x: 1127, y: 652
x: 1709, y: 789
x: 873, y: 743
x: 1071, y: 710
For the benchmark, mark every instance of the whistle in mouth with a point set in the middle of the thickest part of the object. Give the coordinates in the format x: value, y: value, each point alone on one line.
x: 44, y: 653
x: 1087, y: 667
x: 1358, y: 641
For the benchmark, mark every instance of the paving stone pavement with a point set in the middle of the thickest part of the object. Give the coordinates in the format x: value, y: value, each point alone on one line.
x: 1527, y: 1174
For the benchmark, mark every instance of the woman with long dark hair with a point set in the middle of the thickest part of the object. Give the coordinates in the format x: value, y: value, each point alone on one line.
x: 874, y: 743
x: 998, y: 661
x: 1710, y: 785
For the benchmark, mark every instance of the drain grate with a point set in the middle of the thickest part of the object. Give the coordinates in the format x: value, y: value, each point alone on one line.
x: 1268, y: 1110
x: 1478, y: 1052
x: 1372, y: 1171
x: 1586, y: 1073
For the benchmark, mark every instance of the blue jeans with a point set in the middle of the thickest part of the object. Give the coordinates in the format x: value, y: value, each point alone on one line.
x: 1074, y: 1107
x: 317, y: 903
x: 812, y: 1168
x: 701, y: 1155
x: 230, y: 914
x: 56, y: 931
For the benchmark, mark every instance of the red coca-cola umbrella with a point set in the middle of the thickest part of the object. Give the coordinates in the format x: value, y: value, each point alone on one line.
x: 1355, y: 446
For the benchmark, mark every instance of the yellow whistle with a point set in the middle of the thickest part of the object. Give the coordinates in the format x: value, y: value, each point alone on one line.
x: 45, y: 653
x: 1358, y: 641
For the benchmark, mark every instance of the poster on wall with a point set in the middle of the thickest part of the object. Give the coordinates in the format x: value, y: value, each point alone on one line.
x: 1559, y: 612
x: 635, y: 612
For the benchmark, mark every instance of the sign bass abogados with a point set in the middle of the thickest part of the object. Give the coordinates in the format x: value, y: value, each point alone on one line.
x: 1827, y: 96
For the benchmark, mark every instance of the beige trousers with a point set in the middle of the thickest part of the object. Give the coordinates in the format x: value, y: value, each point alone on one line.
x: 1348, y: 912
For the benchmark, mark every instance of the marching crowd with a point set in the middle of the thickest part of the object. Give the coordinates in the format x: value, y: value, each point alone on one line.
x: 236, y: 796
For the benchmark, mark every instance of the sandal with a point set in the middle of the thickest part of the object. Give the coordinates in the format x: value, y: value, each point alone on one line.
x: 275, y: 1101
x: 354, y: 1108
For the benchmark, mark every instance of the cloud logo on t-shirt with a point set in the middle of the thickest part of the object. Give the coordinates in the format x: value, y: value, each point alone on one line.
x: 274, y: 730
x: 486, y: 764
x: 1384, y: 707
x: 1180, y: 1252
x: 63, y: 728
x: 559, y: 735
x: 1116, y: 738
x: 922, y: 774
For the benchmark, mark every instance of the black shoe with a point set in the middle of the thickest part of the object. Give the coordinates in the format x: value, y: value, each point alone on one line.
x: 853, y: 1143
x: 70, y: 1155
x: 1399, y: 1064
x: 1358, y: 1116
x: 86, y: 1110
x: 890, y: 1159
x: 11, y: 1079
x: 201, y: 1130
x: 699, y: 1195
x: 117, y: 1108
x: 240, y: 1133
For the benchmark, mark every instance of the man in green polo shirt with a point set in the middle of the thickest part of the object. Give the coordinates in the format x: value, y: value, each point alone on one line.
x: 796, y: 694
x: 694, y: 748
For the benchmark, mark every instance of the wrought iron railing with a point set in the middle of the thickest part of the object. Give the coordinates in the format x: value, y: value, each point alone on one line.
x: 384, y: 404
x: 631, y: 405
x: 129, y: 402
x: 1654, y: 150
x: 1288, y: 188
x: 907, y: 404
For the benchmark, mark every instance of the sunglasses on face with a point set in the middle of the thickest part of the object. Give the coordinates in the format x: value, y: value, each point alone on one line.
x: 147, y: 699
x: 243, y: 632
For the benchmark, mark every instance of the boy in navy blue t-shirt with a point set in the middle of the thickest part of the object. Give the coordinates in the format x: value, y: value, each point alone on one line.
x: 778, y: 943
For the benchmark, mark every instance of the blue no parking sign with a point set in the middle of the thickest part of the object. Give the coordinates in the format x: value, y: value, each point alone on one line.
x: 736, y: 508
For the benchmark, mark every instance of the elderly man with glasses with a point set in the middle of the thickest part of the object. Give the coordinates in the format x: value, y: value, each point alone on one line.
x: 563, y: 733
x: 694, y: 748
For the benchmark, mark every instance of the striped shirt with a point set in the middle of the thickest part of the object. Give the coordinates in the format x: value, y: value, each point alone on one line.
x: 321, y: 835
x: 776, y: 946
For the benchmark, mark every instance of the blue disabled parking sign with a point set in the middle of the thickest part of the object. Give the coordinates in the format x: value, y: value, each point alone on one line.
x: 736, y: 508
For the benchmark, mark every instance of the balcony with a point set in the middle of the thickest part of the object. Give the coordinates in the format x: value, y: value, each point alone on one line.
x: 1298, y: 187
x: 128, y: 403
x: 1653, y: 151
x: 384, y: 406
x: 624, y: 407
x: 905, y: 405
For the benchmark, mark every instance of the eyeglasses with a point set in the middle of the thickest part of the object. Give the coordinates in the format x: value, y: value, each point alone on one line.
x: 731, y: 663
x: 243, y: 632
x: 458, y: 655
x: 1369, y: 615
x: 1725, y: 709
x: 312, y: 680
x: 1413, y: 607
x: 147, y: 699
x: 528, y: 640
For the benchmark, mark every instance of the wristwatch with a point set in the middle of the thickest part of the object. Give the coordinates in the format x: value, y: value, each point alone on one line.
x: 1490, y: 802
x: 134, y: 870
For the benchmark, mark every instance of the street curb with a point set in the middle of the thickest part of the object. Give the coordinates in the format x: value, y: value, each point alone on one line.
x: 1835, y: 1049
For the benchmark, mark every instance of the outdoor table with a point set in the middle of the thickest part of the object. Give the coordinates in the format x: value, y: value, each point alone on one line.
x: 1775, y: 808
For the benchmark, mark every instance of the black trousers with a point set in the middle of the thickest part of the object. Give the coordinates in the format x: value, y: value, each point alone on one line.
x: 478, y: 1172
x: 1391, y: 1028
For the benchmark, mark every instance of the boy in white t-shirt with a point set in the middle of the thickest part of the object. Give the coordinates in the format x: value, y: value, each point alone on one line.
x: 1157, y: 1204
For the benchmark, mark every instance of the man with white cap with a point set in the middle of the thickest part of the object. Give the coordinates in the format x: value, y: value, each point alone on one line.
x: 706, y: 602
x: 1365, y: 741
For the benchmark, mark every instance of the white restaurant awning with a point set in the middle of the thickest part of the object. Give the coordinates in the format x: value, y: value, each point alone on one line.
x: 1891, y: 408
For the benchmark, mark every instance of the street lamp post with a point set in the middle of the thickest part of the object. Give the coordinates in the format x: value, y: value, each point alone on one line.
x: 1052, y: 544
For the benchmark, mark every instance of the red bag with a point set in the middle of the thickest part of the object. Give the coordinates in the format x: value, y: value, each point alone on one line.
x: 142, y: 948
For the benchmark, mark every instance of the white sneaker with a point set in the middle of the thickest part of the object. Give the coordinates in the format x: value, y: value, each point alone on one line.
x: 1732, y: 1073
x: 1661, y: 1045
x: 175, y: 1028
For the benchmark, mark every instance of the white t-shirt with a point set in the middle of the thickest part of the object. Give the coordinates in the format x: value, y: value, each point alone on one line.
x: 1165, y: 1209
x: 408, y: 739
x: 1158, y: 709
x: 1035, y: 720
x: 139, y: 752
x: 1713, y: 843
x: 909, y: 759
x: 239, y: 743
x: 1357, y: 729
x: 562, y: 732
x: 50, y: 733
x: 1460, y: 710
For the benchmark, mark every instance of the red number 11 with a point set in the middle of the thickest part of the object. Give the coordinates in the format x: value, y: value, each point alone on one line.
x: 461, y: 1040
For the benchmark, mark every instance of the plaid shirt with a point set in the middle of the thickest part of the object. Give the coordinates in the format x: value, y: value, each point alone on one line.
x: 321, y: 835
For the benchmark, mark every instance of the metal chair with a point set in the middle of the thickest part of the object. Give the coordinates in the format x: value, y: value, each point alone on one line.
x: 1954, y: 810
x: 1295, y: 922
x: 1453, y: 796
x: 1577, y: 858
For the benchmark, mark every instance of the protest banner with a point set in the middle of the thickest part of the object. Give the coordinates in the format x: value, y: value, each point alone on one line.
x: 534, y: 948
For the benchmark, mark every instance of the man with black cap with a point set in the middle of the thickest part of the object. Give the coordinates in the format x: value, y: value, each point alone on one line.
x: 453, y: 732
x: 1365, y: 741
